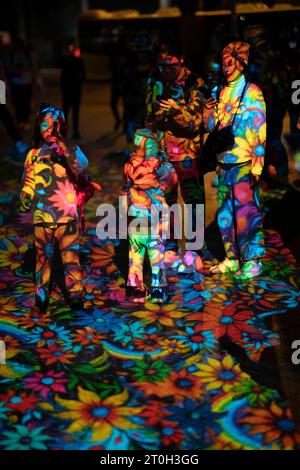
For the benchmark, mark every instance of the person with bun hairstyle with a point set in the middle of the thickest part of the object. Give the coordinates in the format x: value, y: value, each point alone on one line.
x: 237, y: 121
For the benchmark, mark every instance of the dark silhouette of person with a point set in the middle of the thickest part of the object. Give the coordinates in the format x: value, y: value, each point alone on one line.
x: 268, y: 70
x: 8, y: 121
x: 72, y: 78
x: 21, y: 82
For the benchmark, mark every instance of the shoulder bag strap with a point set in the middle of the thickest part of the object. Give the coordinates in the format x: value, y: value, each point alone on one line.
x: 240, y: 100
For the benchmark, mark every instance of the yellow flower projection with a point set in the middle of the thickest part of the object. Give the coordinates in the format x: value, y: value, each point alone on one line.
x: 101, y: 415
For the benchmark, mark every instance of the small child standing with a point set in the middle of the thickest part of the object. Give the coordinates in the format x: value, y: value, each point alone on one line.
x: 145, y: 186
x: 50, y: 170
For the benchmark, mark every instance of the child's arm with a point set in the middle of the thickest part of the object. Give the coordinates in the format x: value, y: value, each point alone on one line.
x: 151, y: 164
x: 82, y: 161
x: 75, y: 159
x: 126, y: 170
x: 28, y: 183
x: 167, y: 176
x: 73, y: 154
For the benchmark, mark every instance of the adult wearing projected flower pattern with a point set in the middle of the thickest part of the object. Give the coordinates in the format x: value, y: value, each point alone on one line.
x: 174, y: 112
x: 241, y: 107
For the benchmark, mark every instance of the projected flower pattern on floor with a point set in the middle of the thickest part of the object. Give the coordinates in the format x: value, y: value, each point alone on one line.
x: 119, y: 376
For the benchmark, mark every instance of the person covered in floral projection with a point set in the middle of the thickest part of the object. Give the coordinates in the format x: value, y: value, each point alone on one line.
x: 241, y: 109
x: 174, y: 110
x: 50, y: 170
x: 147, y: 176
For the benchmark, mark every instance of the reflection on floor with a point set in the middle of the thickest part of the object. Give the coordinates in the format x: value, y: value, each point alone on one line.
x: 209, y: 370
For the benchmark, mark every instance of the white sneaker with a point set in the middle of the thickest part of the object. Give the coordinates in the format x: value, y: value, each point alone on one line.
x: 249, y: 270
x: 226, y: 266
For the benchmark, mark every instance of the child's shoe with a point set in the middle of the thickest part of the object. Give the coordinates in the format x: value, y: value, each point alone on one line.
x: 135, y: 295
x: 158, y: 295
x: 42, y: 306
x: 191, y: 262
x: 172, y: 259
x: 249, y: 270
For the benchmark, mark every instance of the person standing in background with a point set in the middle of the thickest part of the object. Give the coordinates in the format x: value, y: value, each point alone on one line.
x: 8, y: 121
x: 269, y: 70
x: 72, y: 78
x: 21, y: 82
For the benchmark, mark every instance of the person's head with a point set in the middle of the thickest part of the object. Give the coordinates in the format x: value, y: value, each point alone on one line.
x: 50, y: 121
x: 212, y: 68
x: 5, y: 38
x: 145, y: 143
x: 253, y: 32
x: 169, y: 59
x: 72, y: 49
x: 70, y: 46
x: 235, y: 58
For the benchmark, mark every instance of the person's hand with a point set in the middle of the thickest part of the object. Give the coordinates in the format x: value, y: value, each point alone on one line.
x: 25, y: 203
x: 169, y: 105
x: 254, y: 180
x: 58, y: 140
x: 159, y: 113
x: 210, y: 104
x: 58, y: 143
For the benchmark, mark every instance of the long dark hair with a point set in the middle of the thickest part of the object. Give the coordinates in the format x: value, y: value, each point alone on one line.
x: 46, y: 108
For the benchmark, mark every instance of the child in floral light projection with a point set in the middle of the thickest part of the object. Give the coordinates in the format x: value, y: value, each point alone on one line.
x: 241, y: 108
x: 48, y: 190
x: 146, y: 177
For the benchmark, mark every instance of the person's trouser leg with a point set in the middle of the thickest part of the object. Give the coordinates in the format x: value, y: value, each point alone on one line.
x: 137, y: 250
x: 76, y: 108
x: 8, y: 122
x: 67, y: 237
x: 156, y: 251
x: 249, y: 227
x: 192, y: 191
x: 226, y: 215
x: 44, y: 242
x: 18, y: 101
x: 171, y: 199
x: 26, y: 100
x: 66, y: 104
x: 114, y: 101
